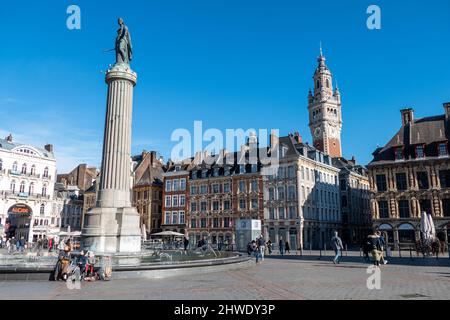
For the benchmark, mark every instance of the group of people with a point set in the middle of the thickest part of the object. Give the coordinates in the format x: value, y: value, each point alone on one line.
x: 13, y: 245
x: 375, y: 244
x: 257, y: 248
x: 68, y: 262
x: 283, y: 246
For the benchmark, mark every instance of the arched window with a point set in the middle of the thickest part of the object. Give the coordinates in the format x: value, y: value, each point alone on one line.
x: 318, y: 84
x: 22, y: 187
x: 44, y: 190
x: 42, y: 210
x: 31, y: 189
x: 46, y: 172
x: 328, y: 83
x: 14, y: 167
x: 24, y: 168
x: 13, y: 186
x: 33, y: 170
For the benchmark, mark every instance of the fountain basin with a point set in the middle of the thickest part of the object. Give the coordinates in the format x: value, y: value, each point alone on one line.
x: 132, y: 266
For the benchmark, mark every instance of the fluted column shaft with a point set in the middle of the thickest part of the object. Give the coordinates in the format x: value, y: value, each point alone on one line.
x: 115, y: 188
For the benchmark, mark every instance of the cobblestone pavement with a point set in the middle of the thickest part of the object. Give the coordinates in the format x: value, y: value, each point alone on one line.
x: 288, y: 277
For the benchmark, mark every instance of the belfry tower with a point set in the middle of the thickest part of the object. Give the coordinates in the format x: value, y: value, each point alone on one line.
x: 324, y: 106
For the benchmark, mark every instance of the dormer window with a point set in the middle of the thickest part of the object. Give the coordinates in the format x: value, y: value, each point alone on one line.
x: 443, y: 149
x: 177, y: 168
x: 204, y: 172
x: 420, y: 152
x: 399, y: 154
x: 242, y: 168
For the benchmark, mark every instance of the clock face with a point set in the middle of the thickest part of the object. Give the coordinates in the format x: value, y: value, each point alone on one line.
x: 317, y: 132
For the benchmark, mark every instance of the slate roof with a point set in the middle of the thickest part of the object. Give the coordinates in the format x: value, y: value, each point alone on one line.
x: 6, y: 145
x: 428, y: 132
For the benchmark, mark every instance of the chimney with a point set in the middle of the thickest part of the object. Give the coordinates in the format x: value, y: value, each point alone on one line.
x: 407, y: 116
x: 353, y: 160
x: 152, y: 158
x: 49, y: 147
x: 298, y: 137
x: 9, y: 138
x: 447, y: 110
x: 161, y: 159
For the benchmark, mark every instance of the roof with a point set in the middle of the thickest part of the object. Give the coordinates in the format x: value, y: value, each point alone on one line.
x: 427, y: 132
x: 12, y: 146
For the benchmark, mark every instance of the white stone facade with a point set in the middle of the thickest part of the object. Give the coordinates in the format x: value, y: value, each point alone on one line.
x: 302, y: 201
x: 27, y: 179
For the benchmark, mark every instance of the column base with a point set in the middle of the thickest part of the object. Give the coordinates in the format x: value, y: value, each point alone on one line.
x: 112, y: 230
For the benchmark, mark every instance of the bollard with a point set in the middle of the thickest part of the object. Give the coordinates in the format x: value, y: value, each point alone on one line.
x: 325, y: 249
x: 346, y: 250
x: 410, y: 252
x: 360, y: 251
x: 310, y: 249
x: 320, y: 251
x: 399, y: 252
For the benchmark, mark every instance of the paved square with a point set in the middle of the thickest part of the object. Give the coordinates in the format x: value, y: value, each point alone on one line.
x: 289, y: 277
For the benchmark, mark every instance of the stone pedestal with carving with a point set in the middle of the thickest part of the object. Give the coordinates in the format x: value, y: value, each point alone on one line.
x: 113, y: 226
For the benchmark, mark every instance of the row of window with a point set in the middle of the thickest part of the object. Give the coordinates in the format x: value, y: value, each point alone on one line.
x: 175, y: 201
x: 217, y: 205
x: 24, y: 170
x: 174, y: 217
x: 281, y: 193
x: 216, y: 172
x: 420, y: 151
x: 280, y: 213
x: 23, y: 189
x: 422, y: 180
x: 404, y: 208
x: 214, y: 223
x: 224, y: 188
x: 175, y: 185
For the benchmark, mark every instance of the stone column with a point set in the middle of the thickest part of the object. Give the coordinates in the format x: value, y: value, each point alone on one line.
x: 113, y: 226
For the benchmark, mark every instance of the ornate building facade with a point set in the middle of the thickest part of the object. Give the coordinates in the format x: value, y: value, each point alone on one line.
x: 302, y: 197
x: 27, y: 201
x: 410, y: 175
x: 224, y: 188
x: 148, y: 189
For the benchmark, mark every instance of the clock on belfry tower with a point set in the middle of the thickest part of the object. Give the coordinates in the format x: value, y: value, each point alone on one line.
x: 325, y: 116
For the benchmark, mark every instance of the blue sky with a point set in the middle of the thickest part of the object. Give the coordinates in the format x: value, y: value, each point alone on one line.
x: 229, y: 63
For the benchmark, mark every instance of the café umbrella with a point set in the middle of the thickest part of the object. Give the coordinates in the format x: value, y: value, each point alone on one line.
x: 432, y: 228
x: 425, y: 227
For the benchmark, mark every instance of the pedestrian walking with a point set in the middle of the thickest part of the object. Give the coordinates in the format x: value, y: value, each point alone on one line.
x: 269, y: 246
x: 375, y: 248
x: 281, y: 245
x: 262, y: 246
x: 336, y: 244
x: 287, y: 248
x: 382, y: 245
x: 186, y: 243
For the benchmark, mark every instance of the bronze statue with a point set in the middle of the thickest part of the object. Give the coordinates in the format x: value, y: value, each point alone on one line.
x: 124, y: 49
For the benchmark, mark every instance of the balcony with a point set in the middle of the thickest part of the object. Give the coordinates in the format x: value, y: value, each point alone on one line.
x: 23, y: 195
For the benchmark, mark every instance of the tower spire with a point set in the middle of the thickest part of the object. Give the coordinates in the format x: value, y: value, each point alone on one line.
x: 321, y: 51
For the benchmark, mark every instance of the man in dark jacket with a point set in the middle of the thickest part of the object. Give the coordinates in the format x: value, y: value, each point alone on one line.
x: 281, y: 245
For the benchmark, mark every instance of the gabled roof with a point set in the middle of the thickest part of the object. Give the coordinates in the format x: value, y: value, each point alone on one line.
x: 428, y: 132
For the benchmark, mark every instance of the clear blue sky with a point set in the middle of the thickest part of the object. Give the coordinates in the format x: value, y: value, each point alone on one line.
x: 230, y: 63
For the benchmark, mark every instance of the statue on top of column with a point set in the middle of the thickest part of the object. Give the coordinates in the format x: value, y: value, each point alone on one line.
x: 124, y: 48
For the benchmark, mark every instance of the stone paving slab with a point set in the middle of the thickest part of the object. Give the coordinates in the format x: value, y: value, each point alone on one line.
x: 286, y: 278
